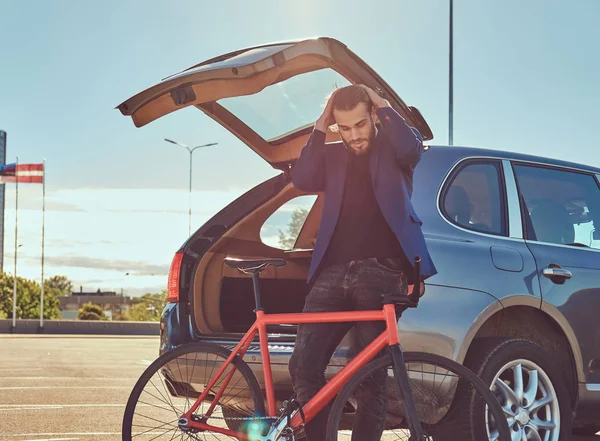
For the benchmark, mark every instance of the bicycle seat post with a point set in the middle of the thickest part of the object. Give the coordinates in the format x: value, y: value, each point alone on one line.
x: 253, y: 267
x: 256, y: 286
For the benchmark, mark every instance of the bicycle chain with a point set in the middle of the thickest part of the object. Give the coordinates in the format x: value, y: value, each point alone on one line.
x: 234, y: 418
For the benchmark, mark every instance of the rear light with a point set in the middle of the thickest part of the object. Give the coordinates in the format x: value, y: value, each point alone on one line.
x: 173, y: 283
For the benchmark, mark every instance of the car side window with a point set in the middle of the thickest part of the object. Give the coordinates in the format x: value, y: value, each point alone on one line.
x: 282, y: 228
x: 560, y: 207
x: 474, y: 199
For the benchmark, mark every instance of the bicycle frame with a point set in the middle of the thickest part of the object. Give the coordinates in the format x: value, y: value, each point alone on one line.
x: 388, y: 337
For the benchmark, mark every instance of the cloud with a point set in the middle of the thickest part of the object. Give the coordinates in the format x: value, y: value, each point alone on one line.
x: 122, y: 266
x: 62, y: 206
x: 121, y: 200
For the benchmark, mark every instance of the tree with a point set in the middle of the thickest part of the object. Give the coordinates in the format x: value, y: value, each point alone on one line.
x: 60, y: 285
x: 89, y: 311
x: 149, y: 307
x: 295, y: 225
x: 122, y: 316
x: 28, y: 299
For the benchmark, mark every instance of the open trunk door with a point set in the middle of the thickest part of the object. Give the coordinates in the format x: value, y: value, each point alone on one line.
x: 268, y: 96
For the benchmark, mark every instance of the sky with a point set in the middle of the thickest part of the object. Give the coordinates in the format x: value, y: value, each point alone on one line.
x: 525, y: 79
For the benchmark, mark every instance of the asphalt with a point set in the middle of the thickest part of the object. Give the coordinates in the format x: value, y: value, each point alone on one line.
x: 67, y: 388
x: 72, y: 388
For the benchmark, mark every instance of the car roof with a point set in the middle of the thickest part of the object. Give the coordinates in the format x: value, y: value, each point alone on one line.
x: 467, y: 151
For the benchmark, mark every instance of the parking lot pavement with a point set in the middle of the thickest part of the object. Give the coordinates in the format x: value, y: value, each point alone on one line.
x: 72, y: 388
x: 68, y: 388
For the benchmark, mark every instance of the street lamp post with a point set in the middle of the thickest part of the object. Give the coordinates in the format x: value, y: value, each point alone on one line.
x: 451, y: 78
x: 190, y: 150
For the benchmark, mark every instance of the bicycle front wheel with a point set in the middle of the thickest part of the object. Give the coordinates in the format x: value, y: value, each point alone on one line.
x: 452, y: 402
x: 172, y: 383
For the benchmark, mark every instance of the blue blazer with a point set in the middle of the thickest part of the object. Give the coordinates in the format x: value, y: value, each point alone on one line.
x: 398, y: 148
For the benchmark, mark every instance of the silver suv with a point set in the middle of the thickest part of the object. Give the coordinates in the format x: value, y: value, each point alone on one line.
x: 517, y: 296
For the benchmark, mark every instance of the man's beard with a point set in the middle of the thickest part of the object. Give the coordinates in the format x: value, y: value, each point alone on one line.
x: 370, y: 143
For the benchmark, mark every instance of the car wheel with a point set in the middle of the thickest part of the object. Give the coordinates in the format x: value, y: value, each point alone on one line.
x: 523, y: 377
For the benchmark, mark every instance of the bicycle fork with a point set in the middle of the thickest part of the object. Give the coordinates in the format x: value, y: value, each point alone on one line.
x: 405, y: 391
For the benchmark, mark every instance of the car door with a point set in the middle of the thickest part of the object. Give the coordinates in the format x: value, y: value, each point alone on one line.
x: 562, y: 212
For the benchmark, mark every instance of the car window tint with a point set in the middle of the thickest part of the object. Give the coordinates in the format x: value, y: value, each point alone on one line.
x: 473, y: 199
x: 563, y: 207
x: 282, y: 228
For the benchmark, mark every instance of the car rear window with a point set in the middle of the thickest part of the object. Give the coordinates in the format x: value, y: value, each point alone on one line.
x: 286, y: 106
x: 473, y: 198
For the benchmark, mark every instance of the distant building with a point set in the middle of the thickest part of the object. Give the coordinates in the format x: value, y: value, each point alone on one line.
x: 109, y: 301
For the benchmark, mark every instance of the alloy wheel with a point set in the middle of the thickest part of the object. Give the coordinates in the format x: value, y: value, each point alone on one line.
x: 529, y: 401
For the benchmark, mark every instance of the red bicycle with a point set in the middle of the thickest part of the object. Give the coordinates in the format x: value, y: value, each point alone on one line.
x: 205, y: 391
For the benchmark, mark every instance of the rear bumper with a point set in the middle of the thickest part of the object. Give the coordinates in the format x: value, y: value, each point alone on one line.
x: 171, y: 332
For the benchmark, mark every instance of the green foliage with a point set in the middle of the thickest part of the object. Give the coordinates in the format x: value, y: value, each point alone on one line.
x: 149, y: 307
x: 124, y: 316
x: 28, y: 299
x: 89, y: 311
x: 60, y: 285
x: 287, y: 241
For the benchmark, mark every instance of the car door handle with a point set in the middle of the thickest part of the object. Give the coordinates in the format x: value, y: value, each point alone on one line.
x: 557, y: 272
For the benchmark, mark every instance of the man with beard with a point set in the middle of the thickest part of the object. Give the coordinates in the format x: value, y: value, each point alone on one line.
x: 368, y: 237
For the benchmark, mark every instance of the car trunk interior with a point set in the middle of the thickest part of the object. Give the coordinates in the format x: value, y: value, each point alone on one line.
x: 223, y: 297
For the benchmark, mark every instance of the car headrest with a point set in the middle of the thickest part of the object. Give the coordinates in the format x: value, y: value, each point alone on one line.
x: 458, y: 205
x: 551, y: 223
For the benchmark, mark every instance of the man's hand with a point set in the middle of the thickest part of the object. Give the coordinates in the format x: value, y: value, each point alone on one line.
x: 326, y: 118
x: 375, y: 99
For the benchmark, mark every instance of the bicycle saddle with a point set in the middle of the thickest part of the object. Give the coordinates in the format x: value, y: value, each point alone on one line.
x: 252, y: 264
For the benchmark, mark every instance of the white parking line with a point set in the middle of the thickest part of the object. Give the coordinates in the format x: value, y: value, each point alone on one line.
x: 51, y: 439
x: 20, y: 369
x: 63, y: 387
x: 4, y: 407
x: 70, y: 378
x: 75, y: 434
x: 17, y: 366
x: 15, y: 435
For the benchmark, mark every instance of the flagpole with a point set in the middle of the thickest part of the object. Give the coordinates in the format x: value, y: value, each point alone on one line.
x: 14, y: 317
x: 43, y: 213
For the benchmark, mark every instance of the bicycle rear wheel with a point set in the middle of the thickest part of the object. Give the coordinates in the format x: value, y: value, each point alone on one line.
x: 452, y: 402
x: 172, y: 383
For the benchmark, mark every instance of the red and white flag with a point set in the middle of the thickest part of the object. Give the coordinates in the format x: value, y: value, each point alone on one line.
x: 28, y: 173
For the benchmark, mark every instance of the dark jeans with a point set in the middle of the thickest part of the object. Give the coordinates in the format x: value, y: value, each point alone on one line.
x: 344, y: 287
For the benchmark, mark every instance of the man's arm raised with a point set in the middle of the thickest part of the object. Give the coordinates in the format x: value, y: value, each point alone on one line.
x: 407, y: 141
x: 308, y: 173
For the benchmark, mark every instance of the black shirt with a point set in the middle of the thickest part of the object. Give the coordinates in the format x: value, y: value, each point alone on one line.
x: 361, y: 230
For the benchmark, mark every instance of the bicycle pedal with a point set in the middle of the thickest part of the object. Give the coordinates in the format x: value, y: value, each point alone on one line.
x: 287, y: 435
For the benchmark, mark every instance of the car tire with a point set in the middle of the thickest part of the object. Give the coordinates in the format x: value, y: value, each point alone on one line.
x: 499, y: 360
